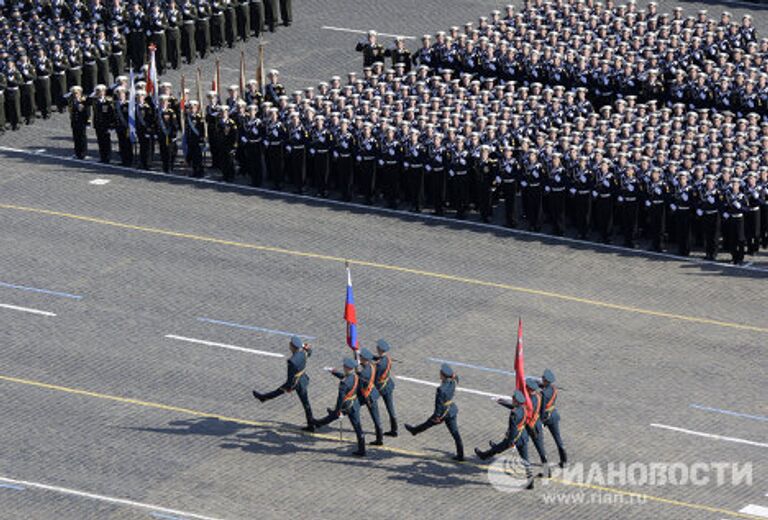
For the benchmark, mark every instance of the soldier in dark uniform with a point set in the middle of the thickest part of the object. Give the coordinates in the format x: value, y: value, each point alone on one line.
x: 3, y: 121
x: 274, y: 143
x: 252, y: 142
x: 270, y: 14
x: 253, y: 95
x: 122, y: 127
x: 487, y: 178
x: 368, y: 392
x: 168, y: 128
x: 118, y: 46
x: 533, y: 424
x: 59, y: 64
x: 296, y: 379
x: 708, y: 203
x: 367, y: 150
x: 228, y: 135
x: 230, y: 22
x: 78, y: 117
x: 656, y: 194
x: 413, y: 170
x: 582, y: 184
x: 555, y: 186
x: 146, y: 130
x: 90, y: 66
x: 344, y: 149
x: 137, y: 28
x: 212, y: 116
x: 320, y: 146
x: 274, y: 89
x: 372, y: 50
x: 509, y: 175
x: 533, y: 175
x: 103, y: 53
x: 202, y: 27
x: 174, y: 20
x: 426, y: 54
x: 681, y: 203
x: 43, y: 83
x: 436, y: 166
x: 516, y: 435
x: 347, y: 403
x: 188, y: 32
x: 385, y: 383
x: 217, y: 24
x: 388, y: 169
x: 27, y: 90
x: 550, y: 418
x: 243, y: 13
x: 14, y: 81
x: 603, y: 193
x: 103, y: 121
x: 256, y: 8
x: 195, y: 136
x: 628, y: 196
x: 445, y: 410
x: 296, y: 153
x: 157, y: 26
x: 458, y: 177
x: 399, y: 54
x: 286, y: 12
x: 754, y: 201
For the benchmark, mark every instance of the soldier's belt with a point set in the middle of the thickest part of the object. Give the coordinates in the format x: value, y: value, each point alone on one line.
x: 583, y: 192
x: 737, y: 215
x: 346, y: 155
x: 604, y: 195
x: 275, y: 144
x: 711, y: 212
x: 756, y: 208
x: 438, y: 169
x: 390, y: 163
x: 74, y: 68
x: 630, y: 199
x: 189, y: 22
x: 296, y: 146
x: 321, y: 151
x: 416, y: 165
x: 657, y: 202
x: 684, y: 207
x: 158, y: 32
x: 558, y: 189
x: 532, y: 185
x: 43, y: 77
x: 13, y: 88
x: 254, y: 140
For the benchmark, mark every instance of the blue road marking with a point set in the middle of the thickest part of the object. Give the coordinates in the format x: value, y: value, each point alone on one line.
x: 729, y: 412
x: 17, y: 487
x: 42, y: 291
x: 476, y: 367
x: 253, y: 327
x: 166, y: 516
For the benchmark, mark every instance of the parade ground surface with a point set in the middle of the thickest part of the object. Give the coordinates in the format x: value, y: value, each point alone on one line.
x: 139, y: 311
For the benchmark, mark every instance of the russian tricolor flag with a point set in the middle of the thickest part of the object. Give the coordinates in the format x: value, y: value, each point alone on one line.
x: 349, y: 314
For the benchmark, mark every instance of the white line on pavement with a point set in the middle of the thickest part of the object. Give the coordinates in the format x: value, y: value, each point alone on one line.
x: 358, y: 31
x: 458, y: 389
x: 253, y: 327
x: 103, y: 498
x: 710, y: 435
x: 26, y: 309
x: 752, y: 509
x: 223, y: 345
x: 388, y: 211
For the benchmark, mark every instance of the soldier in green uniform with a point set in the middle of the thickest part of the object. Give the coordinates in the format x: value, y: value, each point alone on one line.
x: 445, y: 411
x: 385, y: 384
x: 549, y: 416
x: 347, y: 402
x: 297, y: 380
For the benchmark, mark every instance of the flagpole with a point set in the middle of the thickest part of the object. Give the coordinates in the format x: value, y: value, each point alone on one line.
x: 218, y: 78
x: 260, y: 71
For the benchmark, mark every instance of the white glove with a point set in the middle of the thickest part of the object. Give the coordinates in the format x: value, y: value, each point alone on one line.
x: 358, y: 158
x: 523, y: 183
x: 535, y: 174
x: 498, y: 180
x: 594, y: 193
x: 726, y: 215
x: 406, y: 164
x: 428, y: 168
x: 582, y: 178
x: 673, y: 206
x: 547, y: 189
x: 647, y: 203
x: 737, y: 205
x: 381, y: 162
x: 288, y: 148
x: 335, y: 154
x: 572, y: 191
x: 311, y: 151
x: 243, y: 139
x: 329, y: 369
x: 451, y: 173
x: 606, y: 183
x: 699, y: 212
x: 266, y: 143
x: 620, y: 198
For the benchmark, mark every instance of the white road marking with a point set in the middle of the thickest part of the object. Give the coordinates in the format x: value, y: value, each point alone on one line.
x: 103, y: 498
x: 752, y: 509
x: 358, y: 31
x: 99, y: 182
x: 387, y: 211
x: 26, y: 309
x: 458, y: 388
x: 224, y: 345
x: 710, y: 435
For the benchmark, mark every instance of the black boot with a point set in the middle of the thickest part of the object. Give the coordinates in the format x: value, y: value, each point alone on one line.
x: 258, y: 396
x: 482, y: 454
x: 310, y: 427
x: 392, y: 428
x: 379, y: 440
x: 411, y: 429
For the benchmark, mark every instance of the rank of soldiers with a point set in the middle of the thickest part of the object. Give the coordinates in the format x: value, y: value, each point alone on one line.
x: 363, y: 381
x: 47, y: 47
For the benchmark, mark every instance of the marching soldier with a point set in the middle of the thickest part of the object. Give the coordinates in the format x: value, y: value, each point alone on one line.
x: 681, y: 204
x: 257, y: 16
x: 188, y: 31
x: 227, y: 132
x: 372, y: 50
x: 168, y: 128
x: 296, y: 380
x: 367, y: 150
x: 122, y: 126
x: 78, y: 117
x: 217, y: 24
x: 583, y: 183
x: 605, y: 186
x: 174, y: 20
x: 252, y: 141
x: 90, y: 65
x: 274, y: 143
x: 347, y: 403
x: 413, y: 170
x: 385, y: 384
x: 516, y: 435
x: 43, y: 83
x: 509, y: 174
x: 368, y: 393
x: 137, y: 35
x: 445, y: 410
x: 708, y: 205
x: 734, y: 207
x: 345, y: 145
x: 252, y: 94
x: 296, y: 153
x: 656, y: 206
x: 103, y: 121
x: 28, y: 76
x: 550, y: 418
x: 195, y: 134
x: 212, y: 116
x: 437, y: 160
x: 230, y: 22
x: 533, y: 423
x: 243, y: 11
x: 320, y: 145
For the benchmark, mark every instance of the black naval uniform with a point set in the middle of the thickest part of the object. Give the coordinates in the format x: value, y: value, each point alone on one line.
x: 146, y: 132
x: 123, y: 131
x: 486, y: 173
x: 458, y: 180
x: 532, y: 193
x: 320, y: 145
x: 296, y: 156
x: 371, y: 53
x: 682, y: 202
x: 103, y: 121
x: 367, y: 150
x: 252, y: 141
x: 603, y: 192
x: 388, y: 172
x: 43, y: 85
x: 274, y: 143
x: 228, y: 142
x: 628, y: 196
x: 13, y: 97
x: 173, y: 18
x: 167, y: 130
x: 556, y: 186
x: 195, y: 137
x: 27, y: 90
x: 188, y: 34
x: 344, y: 171
x: 708, y: 204
x: 656, y: 208
x: 582, y: 185
x: 78, y: 111
x: 59, y: 65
